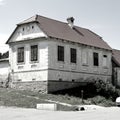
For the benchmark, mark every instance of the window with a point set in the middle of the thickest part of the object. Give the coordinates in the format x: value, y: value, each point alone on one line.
x: 95, y: 59
x: 73, y: 55
x: 32, y: 27
x: 84, y: 57
x: 104, y: 60
x: 60, y: 53
x: 20, y: 55
x: 34, y: 53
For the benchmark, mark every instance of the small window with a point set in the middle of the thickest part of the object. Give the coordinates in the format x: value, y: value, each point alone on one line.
x: 19, y: 80
x: 84, y: 57
x: 60, y: 79
x: 32, y: 27
x: 60, y: 53
x: 73, y: 80
x: 95, y: 59
x: 34, y: 53
x: 20, y: 55
x: 33, y: 79
x: 104, y: 60
x: 23, y: 29
x: 73, y: 55
x: 105, y: 56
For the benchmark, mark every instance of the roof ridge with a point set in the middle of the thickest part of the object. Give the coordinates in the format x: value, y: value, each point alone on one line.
x: 52, y: 19
x: 25, y: 21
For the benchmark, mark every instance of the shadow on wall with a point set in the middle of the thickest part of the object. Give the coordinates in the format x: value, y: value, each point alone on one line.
x: 93, y: 88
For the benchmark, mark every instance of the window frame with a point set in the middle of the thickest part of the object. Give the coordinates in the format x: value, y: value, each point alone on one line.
x: 105, y: 57
x: 60, y: 53
x: 37, y: 54
x: 73, y: 55
x: 21, y: 59
x: 95, y: 59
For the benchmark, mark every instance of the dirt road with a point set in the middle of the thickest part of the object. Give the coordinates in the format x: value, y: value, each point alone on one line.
x: 112, y: 113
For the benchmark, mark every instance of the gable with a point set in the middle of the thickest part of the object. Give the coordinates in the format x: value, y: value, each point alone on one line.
x: 26, y: 32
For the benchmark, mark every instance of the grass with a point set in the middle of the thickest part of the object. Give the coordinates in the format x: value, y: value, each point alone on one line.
x: 29, y: 99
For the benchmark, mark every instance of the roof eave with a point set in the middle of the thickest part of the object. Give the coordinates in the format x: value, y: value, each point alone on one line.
x: 109, y: 49
x: 19, y: 24
x: 113, y: 58
x: 7, y: 42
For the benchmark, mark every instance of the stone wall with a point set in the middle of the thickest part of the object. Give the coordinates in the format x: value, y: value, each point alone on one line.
x: 39, y: 86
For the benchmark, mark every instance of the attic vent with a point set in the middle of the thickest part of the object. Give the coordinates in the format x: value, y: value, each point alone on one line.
x: 70, y: 21
x: 32, y: 27
x: 23, y: 29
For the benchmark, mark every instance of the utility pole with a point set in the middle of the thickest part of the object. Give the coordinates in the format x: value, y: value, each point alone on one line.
x: 82, y: 92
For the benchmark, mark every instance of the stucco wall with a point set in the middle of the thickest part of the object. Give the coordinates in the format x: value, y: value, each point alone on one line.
x: 80, y: 71
x: 28, y: 75
x: 28, y: 70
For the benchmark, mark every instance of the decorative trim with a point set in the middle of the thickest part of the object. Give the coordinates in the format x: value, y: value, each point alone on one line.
x: 31, y: 71
x: 30, y: 81
x: 62, y: 71
x: 65, y: 81
x: 77, y: 72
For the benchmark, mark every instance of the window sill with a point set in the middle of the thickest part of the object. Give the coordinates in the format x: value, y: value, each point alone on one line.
x: 61, y: 62
x: 105, y: 67
x: 95, y: 66
x: 20, y: 67
x: 73, y: 63
x: 33, y: 62
x: 85, y: 65
x: 21, y: 63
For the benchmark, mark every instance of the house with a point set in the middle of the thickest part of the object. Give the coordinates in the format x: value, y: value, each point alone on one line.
x: 116, y: 67
x: 47, y: 55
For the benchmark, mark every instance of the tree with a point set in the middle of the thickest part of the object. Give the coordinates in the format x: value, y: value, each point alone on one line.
x: 4, y: 55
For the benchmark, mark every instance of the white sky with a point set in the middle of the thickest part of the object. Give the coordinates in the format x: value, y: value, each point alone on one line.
x: 100, y: 16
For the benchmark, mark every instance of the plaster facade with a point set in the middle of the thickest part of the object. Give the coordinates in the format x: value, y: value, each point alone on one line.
x: 47, y: 73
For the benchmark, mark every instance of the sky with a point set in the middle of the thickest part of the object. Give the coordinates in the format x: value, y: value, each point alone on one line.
x: 100, y: 16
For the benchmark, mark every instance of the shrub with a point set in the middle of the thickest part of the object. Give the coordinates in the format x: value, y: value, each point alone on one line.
x: 100, y: 100
x: 100, y: 87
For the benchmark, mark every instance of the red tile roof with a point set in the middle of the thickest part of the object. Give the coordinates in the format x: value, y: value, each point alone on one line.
x: 61, y: 30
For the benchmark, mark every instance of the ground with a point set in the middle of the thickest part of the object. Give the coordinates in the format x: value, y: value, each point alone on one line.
x: 95, y: 113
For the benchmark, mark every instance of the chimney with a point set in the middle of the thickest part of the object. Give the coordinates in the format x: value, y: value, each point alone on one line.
x: 70, y: 21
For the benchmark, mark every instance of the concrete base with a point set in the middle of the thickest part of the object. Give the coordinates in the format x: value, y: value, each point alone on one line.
x: 47, y: 106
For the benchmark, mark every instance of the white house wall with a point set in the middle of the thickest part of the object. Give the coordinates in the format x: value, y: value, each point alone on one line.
x: 29, y: 71
x: 78, y: 72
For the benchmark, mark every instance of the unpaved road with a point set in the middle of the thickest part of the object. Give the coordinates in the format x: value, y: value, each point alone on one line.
x: 112, y: 113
